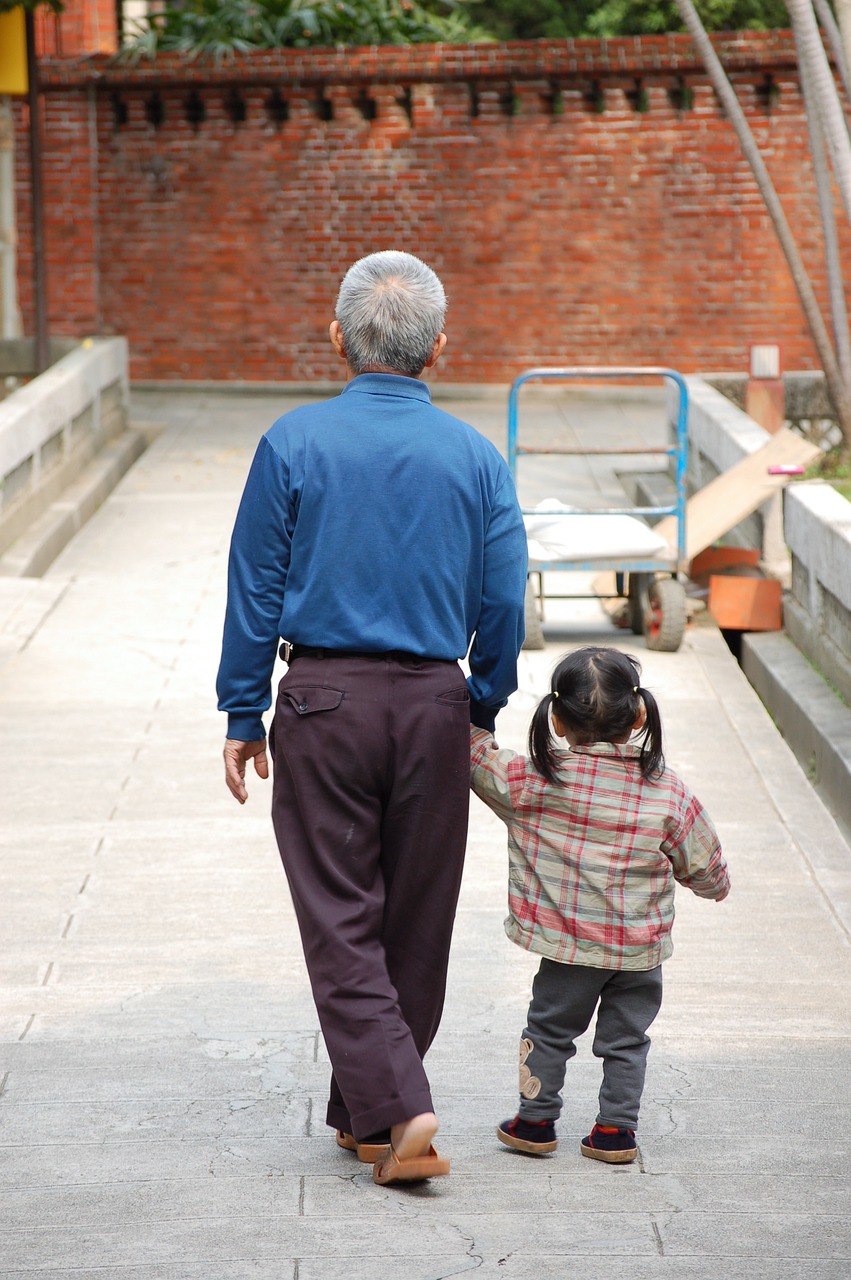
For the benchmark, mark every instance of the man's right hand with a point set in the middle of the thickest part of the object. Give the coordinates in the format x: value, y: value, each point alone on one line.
x: 237, y: 754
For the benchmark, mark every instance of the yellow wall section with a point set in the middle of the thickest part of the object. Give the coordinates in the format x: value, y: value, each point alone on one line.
x: 13, y: 52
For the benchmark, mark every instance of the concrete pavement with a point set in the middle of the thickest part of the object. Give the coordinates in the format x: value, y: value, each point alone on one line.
x: 162, y: 1076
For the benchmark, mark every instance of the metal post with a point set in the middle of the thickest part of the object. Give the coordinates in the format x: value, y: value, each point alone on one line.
x: 39, y: 278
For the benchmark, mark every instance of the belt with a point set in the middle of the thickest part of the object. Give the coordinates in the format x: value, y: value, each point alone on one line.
x: 289, y: 652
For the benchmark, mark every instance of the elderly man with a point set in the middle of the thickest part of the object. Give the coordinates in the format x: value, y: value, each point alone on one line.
x: 378, y: 536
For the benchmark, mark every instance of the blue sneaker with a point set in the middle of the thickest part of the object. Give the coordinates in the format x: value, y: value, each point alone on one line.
x: 533, y: 1137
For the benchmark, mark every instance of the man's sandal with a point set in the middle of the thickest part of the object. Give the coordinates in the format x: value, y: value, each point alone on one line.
x: 391, y: 1169
x: 367, y: 1152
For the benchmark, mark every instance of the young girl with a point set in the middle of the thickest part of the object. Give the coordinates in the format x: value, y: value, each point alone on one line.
x: 597, y: 835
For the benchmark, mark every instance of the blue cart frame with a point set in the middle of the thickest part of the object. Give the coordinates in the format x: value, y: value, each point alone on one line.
x: 652, y: 586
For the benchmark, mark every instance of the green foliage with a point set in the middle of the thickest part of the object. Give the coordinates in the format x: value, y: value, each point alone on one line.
x: 210, y: 28
x: 834, y: 467
x: 637, y: 17
x: 561, y: 19
x: 219, y: 28
x: 55, y: 6
x: 535, y: 19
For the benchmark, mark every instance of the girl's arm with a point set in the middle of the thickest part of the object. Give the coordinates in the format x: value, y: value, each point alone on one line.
x: 490, y: 772
x: 695, y: 853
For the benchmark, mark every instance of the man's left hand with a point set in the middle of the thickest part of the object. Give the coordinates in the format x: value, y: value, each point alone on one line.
x: 237, y: 754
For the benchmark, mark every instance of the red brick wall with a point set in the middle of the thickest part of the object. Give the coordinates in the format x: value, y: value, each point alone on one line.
x: 83, y: 27
x: 71, y: 224
x: 563, y: 234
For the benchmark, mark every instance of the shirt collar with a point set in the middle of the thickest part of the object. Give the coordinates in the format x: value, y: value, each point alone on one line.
x: 388, y: 384
x: 631, y: 749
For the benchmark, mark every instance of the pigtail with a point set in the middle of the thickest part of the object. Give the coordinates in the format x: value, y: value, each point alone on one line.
x: 651, y: 760
x: 541, y: 745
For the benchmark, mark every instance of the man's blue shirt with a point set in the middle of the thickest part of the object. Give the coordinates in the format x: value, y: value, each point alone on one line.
x: 370, y: 522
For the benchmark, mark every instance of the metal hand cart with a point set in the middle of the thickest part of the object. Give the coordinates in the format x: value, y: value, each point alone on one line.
x: 651, y: 585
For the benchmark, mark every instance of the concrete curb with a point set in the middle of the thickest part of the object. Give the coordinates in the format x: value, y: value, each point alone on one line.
x: 484, y: 391
x: 804, y: 814
x: 815, y: 722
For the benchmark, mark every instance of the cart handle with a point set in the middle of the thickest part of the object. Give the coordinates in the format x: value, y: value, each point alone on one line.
x: 601, y: 372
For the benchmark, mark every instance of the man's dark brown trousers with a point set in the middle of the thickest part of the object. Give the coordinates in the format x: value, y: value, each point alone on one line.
x: 370, y: 805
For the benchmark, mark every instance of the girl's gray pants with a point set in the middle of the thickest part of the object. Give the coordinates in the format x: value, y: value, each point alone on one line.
x: 564, y: 997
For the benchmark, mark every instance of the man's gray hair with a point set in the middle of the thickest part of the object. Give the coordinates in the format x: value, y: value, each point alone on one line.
x: 390, y: 308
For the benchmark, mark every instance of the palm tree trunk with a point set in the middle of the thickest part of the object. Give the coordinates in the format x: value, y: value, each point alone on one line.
x: 841, y: 55
x: 838, y: 392
x: 843, y: 13
x: 824, y: 191
x: 811, y: 51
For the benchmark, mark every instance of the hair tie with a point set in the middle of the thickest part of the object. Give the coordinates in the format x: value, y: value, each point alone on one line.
x: 554, y: 696
x: 635, y: 688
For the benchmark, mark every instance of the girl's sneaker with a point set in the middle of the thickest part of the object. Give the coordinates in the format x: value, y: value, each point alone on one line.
x: 534, y: 1137
x: 615, y: 1146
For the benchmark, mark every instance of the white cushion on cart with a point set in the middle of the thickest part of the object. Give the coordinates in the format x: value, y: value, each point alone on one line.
x: 561, y: 532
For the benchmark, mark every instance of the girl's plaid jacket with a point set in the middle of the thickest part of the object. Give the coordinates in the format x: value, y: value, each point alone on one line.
x: 593, y: 861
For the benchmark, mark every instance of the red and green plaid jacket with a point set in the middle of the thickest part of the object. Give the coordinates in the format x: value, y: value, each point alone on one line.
x: 593, y: 861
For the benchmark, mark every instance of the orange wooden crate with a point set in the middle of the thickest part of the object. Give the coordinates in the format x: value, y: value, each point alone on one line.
x: 746, y: 604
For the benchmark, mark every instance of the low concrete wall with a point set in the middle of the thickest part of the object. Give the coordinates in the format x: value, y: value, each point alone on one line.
x: 815, y: 529
x: 804, y: 675
x: 817, y: 609
x: 815, y: 722
x: 720, y: 435
x: 51, y: 431
x: 808, y: 406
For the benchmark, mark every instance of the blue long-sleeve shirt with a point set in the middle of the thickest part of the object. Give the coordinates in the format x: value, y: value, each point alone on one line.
x: 370, y: 522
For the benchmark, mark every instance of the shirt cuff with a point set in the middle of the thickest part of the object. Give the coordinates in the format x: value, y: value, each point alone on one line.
x: 483, y: 717
x: 246, y: 728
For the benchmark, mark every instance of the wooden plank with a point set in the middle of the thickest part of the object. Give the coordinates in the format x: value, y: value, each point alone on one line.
x: 736, y: 493
x: 728, y: 499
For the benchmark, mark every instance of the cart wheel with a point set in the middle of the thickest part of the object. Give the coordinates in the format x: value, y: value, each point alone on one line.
x: 534, y: 633
x: 638, y: 601
x: 665, y: 619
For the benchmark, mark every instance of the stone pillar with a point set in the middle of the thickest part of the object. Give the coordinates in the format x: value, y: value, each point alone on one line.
x: 765, y: 402
x: 765, y: 396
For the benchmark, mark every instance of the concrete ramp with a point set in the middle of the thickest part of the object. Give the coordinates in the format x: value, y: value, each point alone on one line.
x: 162, y: 1074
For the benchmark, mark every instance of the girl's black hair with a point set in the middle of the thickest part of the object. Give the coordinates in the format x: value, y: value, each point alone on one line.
x: 596, y: 693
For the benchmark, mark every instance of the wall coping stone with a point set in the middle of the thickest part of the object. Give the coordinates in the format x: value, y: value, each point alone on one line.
x: 817, y: 524
x: 669, y: 55
x: 723, y: 432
